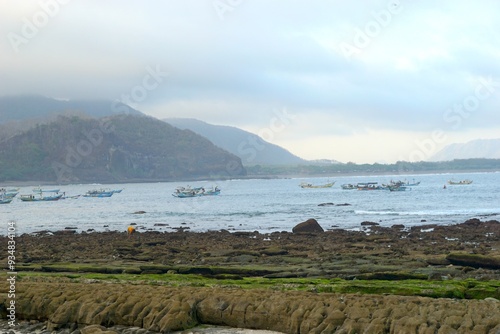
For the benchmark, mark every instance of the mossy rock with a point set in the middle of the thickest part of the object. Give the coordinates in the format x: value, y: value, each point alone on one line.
x: 161, y: 269
x: 141, y: 258
x: 133, y: 271
x: 152, y: 272
x: 482, y: 292
x: 58, y: 269
x: 101, y: 270
x: 156, y: 243
x: 228, y: 277
x: 391, y: 276
x: 286, y: 274
x: 244, y: 272
x: 204, y: 271
x: 274, y: 251
x: 128, y: 250
x: 474, y: 260
x: 438, y: 261
x: 240, y: 252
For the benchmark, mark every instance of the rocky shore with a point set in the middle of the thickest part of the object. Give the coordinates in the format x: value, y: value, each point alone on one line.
x: 311, y: 282
x: 165, y: 309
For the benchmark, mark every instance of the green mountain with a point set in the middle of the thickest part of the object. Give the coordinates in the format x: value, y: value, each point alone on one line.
x: 119, y: 148
x: 252, y: 149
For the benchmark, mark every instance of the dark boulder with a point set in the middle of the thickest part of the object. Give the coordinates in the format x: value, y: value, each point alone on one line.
x: 309, y: 226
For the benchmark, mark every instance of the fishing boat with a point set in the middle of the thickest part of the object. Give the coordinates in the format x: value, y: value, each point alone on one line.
x: 8, y: 193
x: 397, y: 188
x: 184, y: 192
x: 99, y: 193
x: 368, y: 186
x: 211, y: 192
x: 4, y: 200
x: 310, y: 185
x: 40, y: 197
x: 348, y: 186
x: 399, y: 185
x: 461, y: 182
x: 71, y: 197
x: 406, y: 183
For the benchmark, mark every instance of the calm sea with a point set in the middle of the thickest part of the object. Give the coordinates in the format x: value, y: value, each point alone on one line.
x: 261, y: 205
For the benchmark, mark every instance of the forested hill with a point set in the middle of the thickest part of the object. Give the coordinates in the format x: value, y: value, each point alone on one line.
x: 114, y: 149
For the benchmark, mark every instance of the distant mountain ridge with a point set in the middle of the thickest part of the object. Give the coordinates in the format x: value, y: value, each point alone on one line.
x: 22, y: 107
x: 20, y: 113
x: 250, y: 148
x: 479, y: 148
x: 119, y: 148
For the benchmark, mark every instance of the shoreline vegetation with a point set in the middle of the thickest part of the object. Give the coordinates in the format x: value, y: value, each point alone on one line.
x: 274, y: 172
x: 395, y: 279
x: 297, y: 171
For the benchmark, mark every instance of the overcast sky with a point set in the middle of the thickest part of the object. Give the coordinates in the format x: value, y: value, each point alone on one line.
x: 362, y: 81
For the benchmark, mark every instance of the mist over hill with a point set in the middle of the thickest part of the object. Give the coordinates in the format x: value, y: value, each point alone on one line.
x: 22, y: 112
x: 118, y: 148
x: 15, y: 108
x: 480, y: 148
x: 252, y: 149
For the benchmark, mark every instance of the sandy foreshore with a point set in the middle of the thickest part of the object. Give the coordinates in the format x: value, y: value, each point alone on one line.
x: 303, y: 283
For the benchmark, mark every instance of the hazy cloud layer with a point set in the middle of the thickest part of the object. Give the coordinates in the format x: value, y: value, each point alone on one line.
x: 365, y: 81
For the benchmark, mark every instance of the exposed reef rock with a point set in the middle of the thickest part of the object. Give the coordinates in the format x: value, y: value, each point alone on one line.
x: 355, y: 279
x: 164, y: 309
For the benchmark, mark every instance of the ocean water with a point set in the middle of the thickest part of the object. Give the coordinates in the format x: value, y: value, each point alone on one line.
x: 264, y: 205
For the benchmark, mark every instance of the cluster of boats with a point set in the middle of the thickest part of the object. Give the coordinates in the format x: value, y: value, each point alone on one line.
x: 42, y: 194
x: 392, y: 186
x: 183, y: 192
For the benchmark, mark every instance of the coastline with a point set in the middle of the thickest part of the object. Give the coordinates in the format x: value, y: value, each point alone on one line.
x: 332, y: 175
x: 285, y: 282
